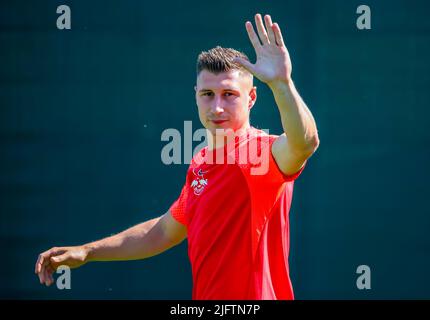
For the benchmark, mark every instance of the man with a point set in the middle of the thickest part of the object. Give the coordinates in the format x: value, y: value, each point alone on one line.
x: 236, y: 220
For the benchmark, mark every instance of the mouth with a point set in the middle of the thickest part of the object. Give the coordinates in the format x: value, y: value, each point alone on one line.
x: 218, y: 121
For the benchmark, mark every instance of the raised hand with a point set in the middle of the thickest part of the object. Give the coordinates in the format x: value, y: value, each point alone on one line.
x: 273, y: 60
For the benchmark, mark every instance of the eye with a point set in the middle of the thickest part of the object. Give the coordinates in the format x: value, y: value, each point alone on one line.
x: 208, y: 94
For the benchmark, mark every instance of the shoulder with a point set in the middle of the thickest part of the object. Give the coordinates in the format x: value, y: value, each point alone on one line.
x: 288, y: 161
x: 264, y: 137
x: 281, y: 158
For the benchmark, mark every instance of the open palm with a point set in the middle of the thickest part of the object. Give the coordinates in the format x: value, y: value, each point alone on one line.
x: 273, y: 60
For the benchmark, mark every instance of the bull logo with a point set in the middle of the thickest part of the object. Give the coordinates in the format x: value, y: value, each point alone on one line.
x: 199, y: 183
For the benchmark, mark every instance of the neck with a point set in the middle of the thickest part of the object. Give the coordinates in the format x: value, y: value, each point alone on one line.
x: 220, y: 140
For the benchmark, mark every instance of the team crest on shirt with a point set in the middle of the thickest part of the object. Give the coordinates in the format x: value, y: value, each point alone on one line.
x: 199, y: 183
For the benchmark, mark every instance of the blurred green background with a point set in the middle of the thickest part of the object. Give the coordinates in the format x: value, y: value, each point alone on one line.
x: 82, y: 112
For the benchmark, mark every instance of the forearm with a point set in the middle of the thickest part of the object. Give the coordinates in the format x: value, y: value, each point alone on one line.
x: 297, y: 121
x: 138, y: 242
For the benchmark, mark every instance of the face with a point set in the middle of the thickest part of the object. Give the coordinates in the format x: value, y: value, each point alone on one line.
x: 224, y: 100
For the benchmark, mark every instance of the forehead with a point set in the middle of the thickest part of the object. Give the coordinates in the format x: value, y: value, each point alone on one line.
x: 232, y: 79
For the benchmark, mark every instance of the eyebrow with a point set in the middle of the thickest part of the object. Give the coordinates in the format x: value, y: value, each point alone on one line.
x: 230, y: 89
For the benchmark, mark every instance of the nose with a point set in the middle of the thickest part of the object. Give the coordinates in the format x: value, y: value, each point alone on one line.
x: 216, y: 107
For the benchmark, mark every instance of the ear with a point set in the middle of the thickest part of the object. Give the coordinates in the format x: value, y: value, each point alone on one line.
x: 195, y: 88
x: 252, y: 97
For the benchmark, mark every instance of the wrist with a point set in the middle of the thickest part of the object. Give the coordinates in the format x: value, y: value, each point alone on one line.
x: 281, y: 85
x: 89, y: 252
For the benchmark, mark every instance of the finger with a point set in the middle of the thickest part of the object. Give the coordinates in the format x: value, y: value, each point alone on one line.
x: 246, y: 64
x: 43, y: 258
x: 41, y: 262
x: 41, y: 279
x: 252, y: 35
x: 261, y: 30
x: 50, y: 272
x: 58, y: 260
x: 45, y: 276
x: 278, y: 35
x: 270, y: 33
x: 36, y: 266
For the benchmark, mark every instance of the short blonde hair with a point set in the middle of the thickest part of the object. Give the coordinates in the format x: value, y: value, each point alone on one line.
x: 219, y: 59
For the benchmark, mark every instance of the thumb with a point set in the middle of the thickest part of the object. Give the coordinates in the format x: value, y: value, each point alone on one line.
x: 244, y: 63
x: 58, y: 260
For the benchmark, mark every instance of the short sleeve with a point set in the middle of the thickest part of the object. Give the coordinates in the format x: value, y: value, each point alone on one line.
x: 177, y: 209
x: 263, y: 166
x: 274, y: 169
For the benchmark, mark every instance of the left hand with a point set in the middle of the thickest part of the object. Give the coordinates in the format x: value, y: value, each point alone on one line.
x: 273, y: 60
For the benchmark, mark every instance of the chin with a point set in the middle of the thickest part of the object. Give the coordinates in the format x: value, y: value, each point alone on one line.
x: 224, y: 128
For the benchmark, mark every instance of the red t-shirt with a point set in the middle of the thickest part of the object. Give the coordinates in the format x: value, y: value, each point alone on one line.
x: 237, y: 221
